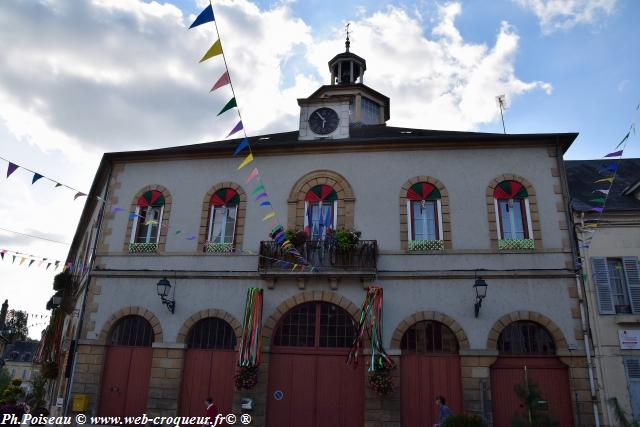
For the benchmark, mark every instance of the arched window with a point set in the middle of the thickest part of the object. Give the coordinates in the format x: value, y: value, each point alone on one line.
x: 147, y: 223
x: 212, y: 333
x: 223, y: 214
x: 513, y: 217
x: 320, y: 206
x: 428, y: 336
x: 424, y: 210
x: 316, y: 325
x: 131, y: 331
x: 524, y: 337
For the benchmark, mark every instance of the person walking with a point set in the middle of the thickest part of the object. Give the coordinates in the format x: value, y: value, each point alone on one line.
x: 211, y: 412
x: 444, y: 411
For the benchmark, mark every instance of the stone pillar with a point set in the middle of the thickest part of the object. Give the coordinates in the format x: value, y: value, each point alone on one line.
x: 258, y: 393
x: 383, y: 411
x: 166, y: 375
x: 476, y: 386
x: 88, y: 372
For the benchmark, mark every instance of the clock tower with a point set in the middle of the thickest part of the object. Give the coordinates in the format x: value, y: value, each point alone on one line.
x: 346, y: 102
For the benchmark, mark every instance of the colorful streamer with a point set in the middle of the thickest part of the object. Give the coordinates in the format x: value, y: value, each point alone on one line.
x: 372, y: 309
x: 249, y: 352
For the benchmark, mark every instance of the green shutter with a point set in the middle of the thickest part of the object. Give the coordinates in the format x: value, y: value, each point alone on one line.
x: 630, y: 265
x: 602, y: 286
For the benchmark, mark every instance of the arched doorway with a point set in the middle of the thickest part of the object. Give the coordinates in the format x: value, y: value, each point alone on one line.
x: 527, y: 353
x: 127, y: 369
x: 429, y: 366
x: 209, y: 367
x: 309, y: 381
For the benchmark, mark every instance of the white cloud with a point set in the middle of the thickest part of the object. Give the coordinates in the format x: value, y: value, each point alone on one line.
x: 565, y: 14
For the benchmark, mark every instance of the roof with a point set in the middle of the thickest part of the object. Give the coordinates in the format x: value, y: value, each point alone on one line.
x: 367, y: 135
x: 348, y: 55
x: 582, y: 174
x: 20, y: 351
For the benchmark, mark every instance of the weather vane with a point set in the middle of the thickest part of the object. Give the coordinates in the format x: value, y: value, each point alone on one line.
x: 347, y: 43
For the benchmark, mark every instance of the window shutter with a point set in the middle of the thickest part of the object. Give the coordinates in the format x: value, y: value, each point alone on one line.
x: 633, y: 282
x: 603, y: 289
x: 632, y: 366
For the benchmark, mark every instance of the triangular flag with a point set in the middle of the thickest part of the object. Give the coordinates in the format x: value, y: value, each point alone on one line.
x: 604, y: 180
x: 597, y: 209
x: 615, y: 154
x: 14, y: 259
x: 48, y: 265
x: 269, y: 216
x: 612, y: 167
x: 254, y: 173
x: 58, y: 185
x: 246, y: 161
x: 266, y: 203
x: 78, y: 194
x: 624, y: 139
x: 223, y: 80
x: 261, y: 195
x: 116, y: 209
x: 133, y: 215
x: 31, y: 262
x: 258, y: 189
x: 2, y: 255
x: 603, y: 191
x: 11, y: 169
x: 178, y: 232
x: 205, y: 16
x: 237, y: 128
x: 192, y: 237
x: 243, y: 144
x: 214, y: 50
x: 22, y: 260
x: 36, y: 176
x: 232, y: 103
x: 56, y: 264
x: 599, y: 200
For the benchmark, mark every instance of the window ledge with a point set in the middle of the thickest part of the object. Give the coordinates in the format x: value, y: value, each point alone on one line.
x: 138, y: 248
x: 516, y: 244
x: 426, y: 245
x: 219, y: 248
x: 627, y: 319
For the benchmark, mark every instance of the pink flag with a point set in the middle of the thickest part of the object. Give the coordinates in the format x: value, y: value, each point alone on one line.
x: 237, y: 128
x: 223, y: 80
x: 254, y: 173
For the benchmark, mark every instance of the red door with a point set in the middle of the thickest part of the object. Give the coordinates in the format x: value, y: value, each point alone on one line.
x: 310, y: 383
x: 424, y: 377
x: 548, y: 373
x: 125, y: 382
x: 207, y: 373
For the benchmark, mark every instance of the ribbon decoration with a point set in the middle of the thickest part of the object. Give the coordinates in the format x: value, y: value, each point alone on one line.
x: 371, y: 308
x: 249, y: 351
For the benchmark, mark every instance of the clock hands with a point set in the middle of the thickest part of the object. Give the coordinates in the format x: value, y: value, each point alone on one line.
x: 322, y: 118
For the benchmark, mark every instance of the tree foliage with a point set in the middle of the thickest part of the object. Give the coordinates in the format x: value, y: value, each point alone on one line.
x: 15, y: 328
x: 535, y: 412
x: 620, y: 415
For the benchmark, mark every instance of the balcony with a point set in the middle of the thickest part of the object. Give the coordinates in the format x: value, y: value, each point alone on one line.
x: 325, y: 256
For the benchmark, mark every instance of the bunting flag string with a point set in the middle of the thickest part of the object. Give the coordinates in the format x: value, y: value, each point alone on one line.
x: 207, y: 15
x: 249, y: 349
x: 24, y: 257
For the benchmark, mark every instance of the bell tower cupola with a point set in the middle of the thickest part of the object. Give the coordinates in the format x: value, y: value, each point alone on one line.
x: 347, y: 67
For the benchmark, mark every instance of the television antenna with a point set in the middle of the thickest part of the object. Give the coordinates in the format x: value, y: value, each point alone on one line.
x: 502, y: 104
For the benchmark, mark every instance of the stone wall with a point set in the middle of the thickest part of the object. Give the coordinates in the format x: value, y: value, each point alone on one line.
x: 166, y: 377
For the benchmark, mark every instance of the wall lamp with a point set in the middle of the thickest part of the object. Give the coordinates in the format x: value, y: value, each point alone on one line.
x: 480, y: 287
x: 164, y: 287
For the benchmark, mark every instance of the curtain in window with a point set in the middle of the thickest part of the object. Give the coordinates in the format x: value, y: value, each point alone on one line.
x: 511, y: 219
x: 320, y: 206
x: 150, y: 206
x: 423, y: 207
x: 224, y: 211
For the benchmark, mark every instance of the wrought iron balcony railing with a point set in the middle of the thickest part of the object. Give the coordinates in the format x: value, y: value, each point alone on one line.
x: 325, y: 255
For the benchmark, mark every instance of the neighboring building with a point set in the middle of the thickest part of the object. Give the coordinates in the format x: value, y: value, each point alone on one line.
x: 610, y: 255
x: 18, y: 360
x: 436, y: 209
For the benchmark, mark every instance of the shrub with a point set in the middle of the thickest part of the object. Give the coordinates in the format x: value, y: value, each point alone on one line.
x: 347, y: 239
x: 466, y: 420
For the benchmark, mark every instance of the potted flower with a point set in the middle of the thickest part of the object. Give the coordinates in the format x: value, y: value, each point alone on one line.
x: 246, y: 377
x: 381, y: 382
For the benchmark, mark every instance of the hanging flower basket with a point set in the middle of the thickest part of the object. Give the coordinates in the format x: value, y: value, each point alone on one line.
x: 382, y: 382
x: 49, y: 370
x: 246, y: 377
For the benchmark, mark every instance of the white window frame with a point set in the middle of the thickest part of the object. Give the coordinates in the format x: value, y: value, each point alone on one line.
x: 410, y: 220
x: 527, y: 209
x: 134, y: 228
x: 334, y: 219
x: 224, y: 223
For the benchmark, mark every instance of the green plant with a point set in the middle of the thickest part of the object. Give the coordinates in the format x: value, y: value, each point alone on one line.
x: 5, y: 379
x: 297, y: 237
x: 13, y: 392
x: 620, y: 415
x: 62, y: 281
x: 465, y: 420
x: 16, y: 326
x: 535, y: 414
x: 246, y: 377
x: 382, y: 382
x: 346, y: 239
x: 38, y: 390
x: 49, y: 370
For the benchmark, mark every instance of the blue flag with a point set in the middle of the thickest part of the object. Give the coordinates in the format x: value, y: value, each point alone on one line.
x: 205, y: 16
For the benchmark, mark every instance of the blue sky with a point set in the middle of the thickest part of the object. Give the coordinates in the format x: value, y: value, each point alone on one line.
x: 81, y: 77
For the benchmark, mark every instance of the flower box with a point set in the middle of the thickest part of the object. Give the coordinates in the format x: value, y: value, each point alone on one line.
x: 142, y: 248
x: 516, y: 245
x: 219, y: 247
x: 426, y: 245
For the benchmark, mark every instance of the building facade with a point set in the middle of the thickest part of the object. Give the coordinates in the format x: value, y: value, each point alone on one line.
x: 610, y: 248
x: 437, y: 212
x: 18, y: 361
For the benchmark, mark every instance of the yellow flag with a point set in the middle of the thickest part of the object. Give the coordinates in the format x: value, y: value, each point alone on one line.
x: 269, y: 216
x: 215, y: 50
x: 22, y: 261
x: 604, y: 180
x: 246, y: 161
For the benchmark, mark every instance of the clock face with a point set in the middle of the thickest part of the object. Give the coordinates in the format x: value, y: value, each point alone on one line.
x: 323, y: 121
